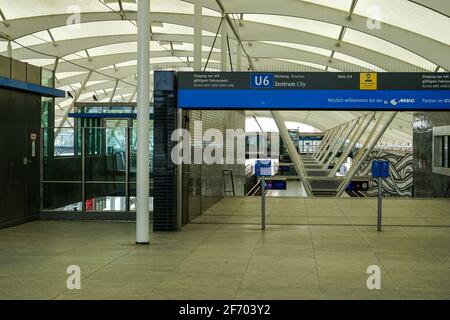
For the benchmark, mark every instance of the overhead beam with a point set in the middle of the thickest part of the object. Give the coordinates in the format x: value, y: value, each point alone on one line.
x: 428, y: 48
x: 439, y: 6
x: 258, y: 49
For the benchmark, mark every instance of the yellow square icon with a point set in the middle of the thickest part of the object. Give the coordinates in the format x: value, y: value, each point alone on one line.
x: 368, y: 81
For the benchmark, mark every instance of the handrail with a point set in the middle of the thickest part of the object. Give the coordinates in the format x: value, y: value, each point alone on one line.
x: 257, y: 186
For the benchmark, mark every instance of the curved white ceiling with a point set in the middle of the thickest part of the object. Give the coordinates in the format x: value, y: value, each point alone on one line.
x: 297, y: 35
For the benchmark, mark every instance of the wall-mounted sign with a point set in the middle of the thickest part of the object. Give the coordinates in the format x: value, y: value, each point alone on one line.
x: 276, y: 184
x: 368, y: 81
x: 33, y: 148
x: 314, y: 91
x: 358, y: 186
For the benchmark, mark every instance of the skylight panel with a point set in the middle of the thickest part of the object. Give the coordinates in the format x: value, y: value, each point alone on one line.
x: 30, y: 40
x: 302, y: 47
x: 16, y: 9
x: 173, y: 29
x: 63, y: 75
x: 407, y: 15
x: 300, y: 24
x: 387, y: 48
x: 39, y: 62
x: 356, y: 61
x: 341, y: 4
x: 305, y: 63
x: 93, y: 29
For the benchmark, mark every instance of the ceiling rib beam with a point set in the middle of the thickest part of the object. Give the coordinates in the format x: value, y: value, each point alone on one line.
x: 428, y: 48
x: 361, y: 53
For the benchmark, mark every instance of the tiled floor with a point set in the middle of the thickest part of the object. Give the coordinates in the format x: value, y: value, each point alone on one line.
x: 329, y: 211
x: 224, y: 261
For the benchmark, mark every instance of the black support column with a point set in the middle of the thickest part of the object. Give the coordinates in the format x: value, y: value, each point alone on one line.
x: 164, y: 170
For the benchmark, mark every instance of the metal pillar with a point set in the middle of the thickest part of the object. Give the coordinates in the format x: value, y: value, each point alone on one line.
x: 356, y: 165
x: 127, y: 163
x: 198, y: 35
x: 83, y: 169
x: 263, y: 203
x: 333, y: 143
x: 9, y: 50
x: 327, y: 144
x: 75, y: 99
x: 325, y: 136
x: 179, y: 173
x: 295, y: 157
x: 324, y: 140
x: 55, y: 66
x: 133, y: 95
x: 143, y: 227
x: 353, y: 141
x: 336, y: 140
x: 238, y: 56
x: 223, y: 45
x: 339, y: 145
x: 368, y: 139
x: 113, y: 93
x: 380, y: 203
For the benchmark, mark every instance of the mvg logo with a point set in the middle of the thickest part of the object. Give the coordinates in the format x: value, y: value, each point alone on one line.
x: 395, y: 102
x: 261, y: 80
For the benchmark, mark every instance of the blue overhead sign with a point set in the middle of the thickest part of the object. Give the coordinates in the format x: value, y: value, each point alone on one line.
x: 314, y: 91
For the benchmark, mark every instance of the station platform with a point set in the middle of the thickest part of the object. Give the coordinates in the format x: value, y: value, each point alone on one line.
x: 223, y: 261
x: 329, y: 211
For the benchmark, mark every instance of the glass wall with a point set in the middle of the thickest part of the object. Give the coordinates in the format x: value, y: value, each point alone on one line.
x: 308, y: 144
x: 92, y: 169
x: 47, y: 115
x: 47, y: 78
